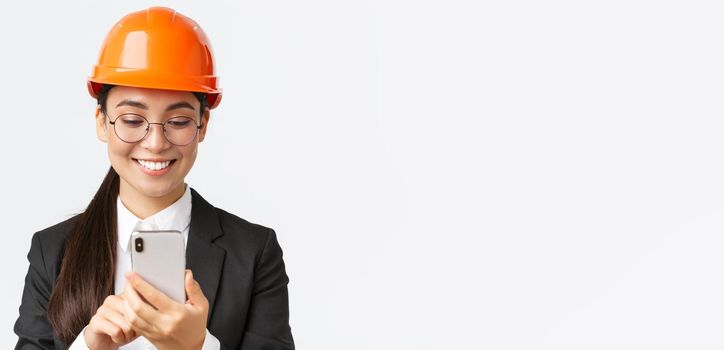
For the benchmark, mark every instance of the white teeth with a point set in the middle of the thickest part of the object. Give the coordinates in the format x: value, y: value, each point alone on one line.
x: 153, y: 165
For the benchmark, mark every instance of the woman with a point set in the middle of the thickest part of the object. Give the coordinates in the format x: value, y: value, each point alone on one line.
x: 155, y: 85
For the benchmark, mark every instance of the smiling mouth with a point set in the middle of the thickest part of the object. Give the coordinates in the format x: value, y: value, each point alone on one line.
x: 154, y: 166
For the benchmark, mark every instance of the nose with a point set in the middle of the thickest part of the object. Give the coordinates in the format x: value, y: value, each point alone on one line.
x: 155, y: 141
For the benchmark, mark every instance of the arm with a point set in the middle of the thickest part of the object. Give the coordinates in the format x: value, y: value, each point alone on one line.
x: 267, y: 325
x: 32, y: 327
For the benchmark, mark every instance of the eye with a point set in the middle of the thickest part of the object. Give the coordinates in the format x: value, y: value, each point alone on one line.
x: 179, y: 122
x: 132, y: 120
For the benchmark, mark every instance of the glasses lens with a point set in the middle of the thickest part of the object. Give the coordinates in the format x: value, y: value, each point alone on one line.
x: 180, y: 130
x: 131, y: 127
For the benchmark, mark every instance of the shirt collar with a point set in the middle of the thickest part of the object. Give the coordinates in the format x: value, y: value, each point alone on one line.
x: 176, y: 216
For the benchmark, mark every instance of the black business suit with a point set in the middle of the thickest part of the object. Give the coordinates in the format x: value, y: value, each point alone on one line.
x: 238, y: 265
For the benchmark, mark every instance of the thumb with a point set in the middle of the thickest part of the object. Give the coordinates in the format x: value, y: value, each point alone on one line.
x: 193, y: 289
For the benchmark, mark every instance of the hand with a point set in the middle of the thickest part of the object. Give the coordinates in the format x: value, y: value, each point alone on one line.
x: 108, y: 328
x: 164, y: 322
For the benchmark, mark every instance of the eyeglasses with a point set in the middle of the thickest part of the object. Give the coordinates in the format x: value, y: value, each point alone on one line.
x: 132, y: 128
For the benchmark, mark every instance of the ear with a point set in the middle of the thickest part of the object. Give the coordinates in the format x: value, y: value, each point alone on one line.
x: 101, y: 129
x: 204, y: 125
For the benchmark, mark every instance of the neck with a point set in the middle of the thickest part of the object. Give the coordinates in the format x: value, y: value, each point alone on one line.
x: 143, y: 206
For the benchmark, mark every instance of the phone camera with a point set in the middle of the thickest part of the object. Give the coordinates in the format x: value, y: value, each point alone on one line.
x: 139, y: 244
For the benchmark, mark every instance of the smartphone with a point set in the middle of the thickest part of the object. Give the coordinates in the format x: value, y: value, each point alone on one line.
x: 159, y: 257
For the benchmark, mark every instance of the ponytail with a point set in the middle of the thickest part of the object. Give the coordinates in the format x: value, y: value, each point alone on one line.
x: 87, y: 270
x: 89, y: 256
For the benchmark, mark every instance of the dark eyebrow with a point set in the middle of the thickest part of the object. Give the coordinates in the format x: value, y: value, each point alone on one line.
x: 181, y: 104
x: 142, y: 105
x: 132, y: 104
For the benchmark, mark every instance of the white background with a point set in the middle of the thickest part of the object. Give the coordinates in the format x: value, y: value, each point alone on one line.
x: 442, y: 175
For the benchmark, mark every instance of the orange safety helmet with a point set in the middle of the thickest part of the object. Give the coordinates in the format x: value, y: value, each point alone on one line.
x: 157, y: 48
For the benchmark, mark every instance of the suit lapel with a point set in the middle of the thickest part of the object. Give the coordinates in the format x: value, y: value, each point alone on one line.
x: 203, y: 257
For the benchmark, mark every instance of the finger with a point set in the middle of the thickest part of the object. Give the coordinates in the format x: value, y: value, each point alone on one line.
x: 102, y: 325
x: 115, y: 302
x: 193, y: 290
x: 155, y: 297
x: 140, y: 308
x: 112, y: 310
x: 140, y: 326
x: 119, y: 320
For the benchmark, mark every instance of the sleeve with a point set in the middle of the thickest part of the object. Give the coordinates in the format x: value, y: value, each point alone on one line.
x: 210, y: 342
x: 32, y: 327
x: 267, y: 326
x: 79, y: 342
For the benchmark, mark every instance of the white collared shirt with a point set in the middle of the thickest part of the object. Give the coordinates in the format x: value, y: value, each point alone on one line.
x: 177, y: 216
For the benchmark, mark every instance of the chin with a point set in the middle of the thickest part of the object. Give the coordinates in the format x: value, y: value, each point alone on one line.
x: 155, y: 190
x: 157, y: 193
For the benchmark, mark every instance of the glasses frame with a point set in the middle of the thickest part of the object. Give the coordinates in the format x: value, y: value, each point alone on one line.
x: 148, y: 128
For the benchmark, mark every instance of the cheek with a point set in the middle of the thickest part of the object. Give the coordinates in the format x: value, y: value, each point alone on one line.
x: 189, y: 155
x: 118, y: 149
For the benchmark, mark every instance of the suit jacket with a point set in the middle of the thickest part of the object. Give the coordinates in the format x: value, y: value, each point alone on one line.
x: 237, y: 263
